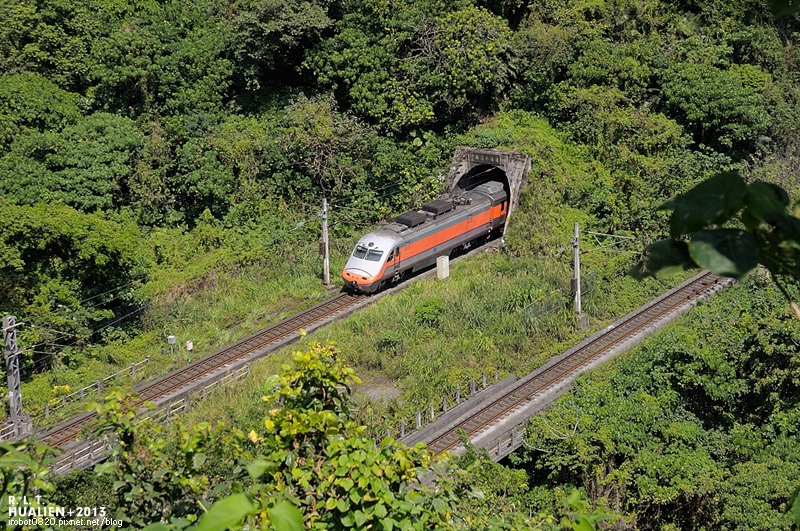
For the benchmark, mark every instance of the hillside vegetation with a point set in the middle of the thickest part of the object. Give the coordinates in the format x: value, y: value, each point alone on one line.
x: 162, y: 166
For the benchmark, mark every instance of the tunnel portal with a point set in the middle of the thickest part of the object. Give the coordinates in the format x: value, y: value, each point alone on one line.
x: 472, y: 167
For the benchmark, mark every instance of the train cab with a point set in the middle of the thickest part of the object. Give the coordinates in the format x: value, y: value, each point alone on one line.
x: 372, y: 261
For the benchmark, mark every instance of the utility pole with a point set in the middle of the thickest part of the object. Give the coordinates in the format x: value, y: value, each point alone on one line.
x: 576, y: 259
x: 576, y: 281
x: 326, y: 265
x: 12, y: 372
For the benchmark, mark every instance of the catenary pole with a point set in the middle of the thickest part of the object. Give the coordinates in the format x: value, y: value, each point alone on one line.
x: 326, y: 265
x: 576, y: 257
x: 11, y: 355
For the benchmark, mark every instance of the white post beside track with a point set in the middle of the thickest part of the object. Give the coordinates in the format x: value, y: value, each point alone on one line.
x: 442, y: 267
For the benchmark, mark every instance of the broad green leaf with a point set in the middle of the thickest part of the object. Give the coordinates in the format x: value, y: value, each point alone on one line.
x: 198, y: 460
x: 360, y: 518
x: 664, y: 256
x: 713, y: 201
x: 346, y: 483
x: 787, y: 228
x: 765, y: 198
x: 583, y: 524
x: 226, y: 513
x: 728, y: 252
x: 104, y: 468
x: 258, y: 467
x: 157, y: 527
x: 380, y: 510
x: 285, y: 517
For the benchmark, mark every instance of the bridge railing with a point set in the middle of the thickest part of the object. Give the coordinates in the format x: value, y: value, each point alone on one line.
x: 92, y: 452
x: 7, y: 432
x: 419, y: 419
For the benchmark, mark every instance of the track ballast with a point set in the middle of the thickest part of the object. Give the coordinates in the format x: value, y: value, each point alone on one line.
x: 557, y: 374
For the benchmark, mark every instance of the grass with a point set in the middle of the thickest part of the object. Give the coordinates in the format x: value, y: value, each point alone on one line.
x: 212, y: 310
x: 475, y: 325
x: 507, y: 312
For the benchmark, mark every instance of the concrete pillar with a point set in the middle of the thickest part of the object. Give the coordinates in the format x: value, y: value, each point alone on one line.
x: 442, y: 267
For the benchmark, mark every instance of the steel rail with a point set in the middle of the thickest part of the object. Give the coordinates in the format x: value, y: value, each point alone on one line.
x: 67, y: 432
x: 566, y: 367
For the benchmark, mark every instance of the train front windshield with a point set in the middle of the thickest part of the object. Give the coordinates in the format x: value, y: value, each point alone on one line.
x: 372, y: 255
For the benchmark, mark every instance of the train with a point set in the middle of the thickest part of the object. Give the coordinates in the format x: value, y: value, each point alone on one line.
x: 414, y: 240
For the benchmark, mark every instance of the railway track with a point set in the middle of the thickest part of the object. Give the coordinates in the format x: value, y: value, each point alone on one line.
x: 215, y: 367
x: 523, y: 392
x: 198, y: 371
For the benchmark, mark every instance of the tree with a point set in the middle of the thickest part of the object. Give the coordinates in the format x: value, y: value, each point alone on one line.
x: 271, y: 38
x: 87, y: 165
x: 164, y: 58
x: 437, y: 66
x: 326, y: 145
x: 715, y: 106
x: 159, y: 472
x: 316, y: 468
x: 31, y: 103
x: 729, y: 227
x: 60, y: 267
x: 52, y: 38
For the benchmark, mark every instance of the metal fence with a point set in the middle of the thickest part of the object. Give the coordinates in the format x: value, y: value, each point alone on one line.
x: 91, y: 452
x: 420, y: 419
x: 7, y: 432
x: 98, y: 386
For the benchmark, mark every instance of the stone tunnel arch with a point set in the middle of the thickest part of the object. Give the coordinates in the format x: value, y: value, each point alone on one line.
x: 472, y: 166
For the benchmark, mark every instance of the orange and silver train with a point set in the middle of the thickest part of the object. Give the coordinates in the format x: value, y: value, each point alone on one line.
x: 415, y: 239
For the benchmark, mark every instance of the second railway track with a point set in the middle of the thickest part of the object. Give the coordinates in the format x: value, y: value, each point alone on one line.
x: 553, y: 375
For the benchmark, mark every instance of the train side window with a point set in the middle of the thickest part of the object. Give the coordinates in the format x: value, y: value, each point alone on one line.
x: 394, y: 254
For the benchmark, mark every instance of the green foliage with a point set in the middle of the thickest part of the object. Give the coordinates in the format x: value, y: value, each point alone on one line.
x: 326, y: 144
x: 60, y: 267
x: 714, y: 105
x: 769, y: 234
x: 87, y: 165
x: 271, y: 37
x: 430, y: 311
x: 140, y: 106
x: 24, y: 471
x: 693, y: 419
x: 429, y: 70
x: 52, y: 38
x: 166, y: 58
x: 156, y: 479
x: 30, y: 102
x: 314, y: 464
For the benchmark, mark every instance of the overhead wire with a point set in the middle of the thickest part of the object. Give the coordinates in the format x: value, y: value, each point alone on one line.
x: 107, y: 292
x: 50, y: 330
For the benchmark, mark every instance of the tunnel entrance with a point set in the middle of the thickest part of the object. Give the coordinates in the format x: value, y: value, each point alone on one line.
x: 472, y: 167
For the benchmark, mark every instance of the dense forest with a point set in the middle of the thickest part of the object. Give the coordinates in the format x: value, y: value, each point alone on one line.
x: 154, y: 153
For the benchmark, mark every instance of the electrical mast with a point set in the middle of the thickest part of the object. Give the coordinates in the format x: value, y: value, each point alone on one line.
x: 583, y: 320
x: 12, y: 372
x: 326, y: 265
